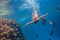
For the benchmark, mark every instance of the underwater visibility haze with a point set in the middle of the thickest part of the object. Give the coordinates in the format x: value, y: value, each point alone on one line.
x: 32, y: 13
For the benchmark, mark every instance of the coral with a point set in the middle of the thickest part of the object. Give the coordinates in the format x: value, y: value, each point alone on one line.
x: 10, y: 30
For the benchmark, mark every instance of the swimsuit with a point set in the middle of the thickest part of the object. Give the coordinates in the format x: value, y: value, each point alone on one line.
x: 35, y: 17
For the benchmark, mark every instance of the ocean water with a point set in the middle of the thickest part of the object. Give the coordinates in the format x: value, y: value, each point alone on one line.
x: 23, y: 14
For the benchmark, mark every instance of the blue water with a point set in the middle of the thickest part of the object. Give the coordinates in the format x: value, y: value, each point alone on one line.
x: 42, y: 32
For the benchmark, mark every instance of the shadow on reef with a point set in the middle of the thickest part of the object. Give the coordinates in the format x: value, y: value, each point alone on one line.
x: 10, y: 30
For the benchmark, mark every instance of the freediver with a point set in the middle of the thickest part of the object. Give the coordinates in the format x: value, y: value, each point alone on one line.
x: 43, y: 21
x: 52, y: 23
x: 51, y: 32
x: 35, y: 18
x: 57, y: 8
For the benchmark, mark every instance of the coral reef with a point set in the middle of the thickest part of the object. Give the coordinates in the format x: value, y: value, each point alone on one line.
x: 10, y: 30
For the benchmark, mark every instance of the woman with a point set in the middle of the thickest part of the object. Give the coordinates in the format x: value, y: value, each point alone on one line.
x: 35, y: 18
